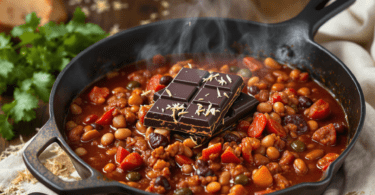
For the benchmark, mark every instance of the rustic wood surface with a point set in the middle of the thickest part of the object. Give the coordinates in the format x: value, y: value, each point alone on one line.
x: 117, y: 15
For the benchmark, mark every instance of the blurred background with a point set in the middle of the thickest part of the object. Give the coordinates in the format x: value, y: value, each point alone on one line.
x: 116, y: 15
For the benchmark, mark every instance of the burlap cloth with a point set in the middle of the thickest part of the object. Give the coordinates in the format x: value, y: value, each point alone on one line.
x: 349, y: 35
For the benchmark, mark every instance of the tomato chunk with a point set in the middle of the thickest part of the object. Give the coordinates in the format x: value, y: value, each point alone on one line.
x: 262, y: 177
x: 106, y: 118
x: 182, y: 159
x: 121, y: 154
x: 325, y: 135
x: 131, y: 161
x: 319, y: 110
x: 324, y: 162
x: 228, y: 156
x: 257, y: 126
x: 214, y: 149
x: 252, y: 63
x: 97, y: 95
x: 243, y: 126
x: 154, y: 83
x: 276, y: 128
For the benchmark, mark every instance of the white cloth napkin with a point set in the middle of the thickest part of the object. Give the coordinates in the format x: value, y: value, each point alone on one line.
x: 349, y: 36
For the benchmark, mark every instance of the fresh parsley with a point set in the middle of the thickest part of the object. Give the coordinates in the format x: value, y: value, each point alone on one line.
x: 30, y: 66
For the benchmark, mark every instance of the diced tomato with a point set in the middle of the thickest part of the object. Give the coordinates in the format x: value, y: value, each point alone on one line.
x: 252, y: 63
x: 257, y: 126
x: 325, y: 135
x: 264, y: 192
x: 121, y: 154
x: 324, y: 162
x: 228, y: 156
x: 276, y: 128
x: 142, y: 112
x: 243, y: 126
x: 182, y: 159
x: 319, y: 110
x: 91, y: 118
x: 97, y: 95
x: 214, y: 149
x: 106, y: 118
x: 131, y: 161
x: 154, y: 83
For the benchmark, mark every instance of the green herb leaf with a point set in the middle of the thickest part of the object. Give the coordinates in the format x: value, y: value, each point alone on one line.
x: 42, y: 83
x: 6, y: 129
x: 22, y: 106
x: 6, y: 67
x: 4, y: 41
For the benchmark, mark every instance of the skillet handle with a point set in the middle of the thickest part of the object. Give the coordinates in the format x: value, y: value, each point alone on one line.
x: 46, y: 136
x: 316, y: 13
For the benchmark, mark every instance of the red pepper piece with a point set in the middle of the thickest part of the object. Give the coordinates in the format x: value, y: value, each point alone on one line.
x: 276, y: 128
x: 182, y: 159
x: 324, y: 162
x: 229, y: 157
x: 91, y: 118
x: 243, y: 126
x: 154, y: 83
x: 319, y: 110
x: 106, y: 118
x: 121, y: 154
x: 97, y: 95
x: 264, y: 192
x: 257, y: 126
x: 214, y: 149
x: 131, y: 161
x: 252, y: 63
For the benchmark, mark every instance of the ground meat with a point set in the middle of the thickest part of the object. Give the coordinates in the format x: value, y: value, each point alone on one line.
x: 287, y: 158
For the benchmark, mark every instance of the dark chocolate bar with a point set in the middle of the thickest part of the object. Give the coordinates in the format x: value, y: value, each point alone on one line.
x: 244, y: 105
x: 195, y: 102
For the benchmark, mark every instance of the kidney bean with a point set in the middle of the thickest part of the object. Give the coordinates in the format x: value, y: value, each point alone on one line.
x: 230, y: 137
x: 304, y: 102
x: 156, y: 140
x: 297, y: 120
x: 162, y: 181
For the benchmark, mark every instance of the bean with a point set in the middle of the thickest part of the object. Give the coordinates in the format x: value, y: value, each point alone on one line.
x: 270, y: 78
x: 289, y: 110
x: 109, y: 167
x: 88, y: 128
x: 134, y: 108
x: 123, y: 133
x: 135, y: 100
x: 230, y: 137
x: 294, y: 74
x: 264, y: 107
x: 262, y: 85
x: 241, y: 179
x: 183, y: 191
x: 97, y: 126
x: 158, y: 59
x: 132, y: 85
x: 261, y: 150
x: 161, y: 131
x: 300, y: 166
x: 281, y: 76
x: 187, y: 169
x: 213, y: 187
x: 156, y: 140
x: 90, y: 118
x: 275, y: 117
x: 304, y: 102
x: 111, y: 151
x: 273, y: 153
x: 75, y: 134
x: 224, y: 69
x: 271, y: 63
x: 133, y: 176
x: 315, y: 154
x: 141, y: 127
x: 137, y: 91
x: 304, y: 91
x: 75, y: 109
x: 268, y: 141
x: 107, y: 139
x: 253, y: 90
x: 224, y: 178
x: 313, y: 125
x: 278, y: 107
x: 260, y: 159
x: 70, y: 125
x: 165, y: 80
x: 252, y: 81
x: 175, y: 69
x: 244, y: 72
x: 119, y: 121
x: 90, y: 135
x: 162, y: 181
x: 80, y: 151
x: 277, y: 87
x: 130, y: 117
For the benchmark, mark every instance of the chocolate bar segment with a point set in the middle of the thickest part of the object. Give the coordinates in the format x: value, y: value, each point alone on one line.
x: 194, y: 102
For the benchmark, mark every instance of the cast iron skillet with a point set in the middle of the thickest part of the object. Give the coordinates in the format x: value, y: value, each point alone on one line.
x: 289, y: 42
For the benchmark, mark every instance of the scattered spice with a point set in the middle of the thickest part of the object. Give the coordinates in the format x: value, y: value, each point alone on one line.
x: 218, y: 93
x: 226, y: 95
x: 169, y: 92
x: 144, y: 93
x: 229, y: 79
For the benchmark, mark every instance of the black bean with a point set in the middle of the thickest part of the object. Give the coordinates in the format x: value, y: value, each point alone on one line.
x: 156, y: 140
x: 304, y: 102
x: 96, y: 126
x: 132, y: 85
x: 230, y: 137
x: 253, y: 90
x: 340, y: 127
x: 202, y: 169
x: 162, y: 181
x: 297, y: 120
x: 183, y: 191
x: 165, y: 80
